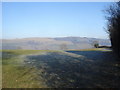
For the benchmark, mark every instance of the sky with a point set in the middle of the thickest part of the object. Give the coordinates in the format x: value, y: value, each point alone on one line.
x: 53, y: 19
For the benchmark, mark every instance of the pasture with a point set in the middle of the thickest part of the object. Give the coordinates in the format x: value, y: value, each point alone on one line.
x: 88, y: 68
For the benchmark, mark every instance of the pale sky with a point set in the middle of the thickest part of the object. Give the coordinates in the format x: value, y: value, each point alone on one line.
x: 54, y: 19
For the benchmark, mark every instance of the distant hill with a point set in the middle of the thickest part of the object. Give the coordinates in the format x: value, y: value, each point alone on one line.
x: 62, y: 43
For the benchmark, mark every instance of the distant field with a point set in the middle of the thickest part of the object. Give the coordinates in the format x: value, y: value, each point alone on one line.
x: 50, y: 68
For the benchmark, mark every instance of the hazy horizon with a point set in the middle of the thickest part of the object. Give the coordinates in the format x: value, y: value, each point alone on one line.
x: 52, y: 37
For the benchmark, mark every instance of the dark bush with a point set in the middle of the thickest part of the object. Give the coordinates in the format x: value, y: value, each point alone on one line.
x: 95, y: 44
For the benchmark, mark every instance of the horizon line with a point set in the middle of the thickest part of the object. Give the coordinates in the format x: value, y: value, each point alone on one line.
x: 54, y: 37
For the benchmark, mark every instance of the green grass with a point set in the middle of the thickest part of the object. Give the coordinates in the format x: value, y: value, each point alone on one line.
x: 24, y: 52
x: 91, y: 49
x: 51, y: 68
x: 17, y: 75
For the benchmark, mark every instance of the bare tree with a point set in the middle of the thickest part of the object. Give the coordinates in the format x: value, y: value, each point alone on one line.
x: 113, y: 26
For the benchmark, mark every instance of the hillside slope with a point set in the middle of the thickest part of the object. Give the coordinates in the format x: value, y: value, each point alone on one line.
x: 62, y: 43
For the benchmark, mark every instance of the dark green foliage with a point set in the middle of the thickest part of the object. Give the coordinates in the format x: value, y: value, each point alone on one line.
x: 113, y: 26
x: 95, y: 44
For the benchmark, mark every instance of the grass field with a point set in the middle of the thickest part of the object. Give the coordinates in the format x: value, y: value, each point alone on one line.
x: 47, y: 68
